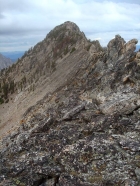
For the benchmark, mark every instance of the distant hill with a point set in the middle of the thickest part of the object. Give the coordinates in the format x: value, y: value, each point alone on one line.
x: 13, y: 55
x: 4, y: 62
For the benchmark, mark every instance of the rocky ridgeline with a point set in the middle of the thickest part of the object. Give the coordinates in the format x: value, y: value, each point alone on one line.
x: 85, y: 133
x: 42, y: 69
x: 40, y: 61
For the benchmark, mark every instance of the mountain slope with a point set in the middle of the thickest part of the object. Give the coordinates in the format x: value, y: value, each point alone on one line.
x: 42, y: 69
x: 85, y: 130
x: 4, y: 62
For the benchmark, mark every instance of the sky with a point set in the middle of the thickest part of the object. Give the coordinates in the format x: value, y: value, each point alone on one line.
x: 24, y: 23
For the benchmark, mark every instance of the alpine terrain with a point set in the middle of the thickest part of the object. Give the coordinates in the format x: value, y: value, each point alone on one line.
x: 70, y: 113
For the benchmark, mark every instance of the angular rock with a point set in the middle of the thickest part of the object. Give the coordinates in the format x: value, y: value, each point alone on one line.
x: 74, y: 111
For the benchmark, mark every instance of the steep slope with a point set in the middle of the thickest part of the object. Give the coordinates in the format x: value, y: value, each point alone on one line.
x: 42, y: 69
x: 86, y: 130
x: 4, y: 62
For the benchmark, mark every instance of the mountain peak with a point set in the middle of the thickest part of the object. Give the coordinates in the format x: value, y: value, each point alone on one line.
x: 68, y: 25
x: 71, y: 26
x: 67, y: 28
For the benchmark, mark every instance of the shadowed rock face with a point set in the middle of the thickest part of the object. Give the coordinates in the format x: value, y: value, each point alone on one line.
x: 87, y: 132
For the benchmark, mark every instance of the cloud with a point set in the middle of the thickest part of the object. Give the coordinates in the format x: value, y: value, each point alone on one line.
x: 26, y: 23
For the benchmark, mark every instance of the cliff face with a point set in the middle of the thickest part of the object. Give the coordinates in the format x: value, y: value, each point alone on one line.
x: 87, y: 131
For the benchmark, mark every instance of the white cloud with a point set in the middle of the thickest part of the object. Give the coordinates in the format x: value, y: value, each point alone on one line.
x: 28, y: 22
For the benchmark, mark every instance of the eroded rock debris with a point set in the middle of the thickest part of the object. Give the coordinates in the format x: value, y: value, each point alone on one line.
x: 87, y: 133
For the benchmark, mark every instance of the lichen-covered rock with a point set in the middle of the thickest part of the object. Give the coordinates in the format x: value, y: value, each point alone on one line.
x: 120, y: 103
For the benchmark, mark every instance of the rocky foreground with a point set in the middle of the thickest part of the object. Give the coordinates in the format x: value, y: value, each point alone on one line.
x: 87, y: 132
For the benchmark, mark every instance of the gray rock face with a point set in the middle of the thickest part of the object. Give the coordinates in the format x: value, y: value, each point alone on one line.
x: 115, y: 48
x: 87, y: 133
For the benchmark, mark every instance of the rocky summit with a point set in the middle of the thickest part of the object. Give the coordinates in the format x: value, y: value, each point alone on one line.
x: 86, y: 130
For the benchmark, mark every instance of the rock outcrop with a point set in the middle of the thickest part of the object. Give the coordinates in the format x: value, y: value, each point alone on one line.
x: 85, y: 133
